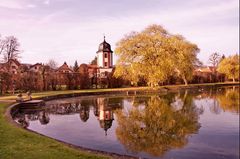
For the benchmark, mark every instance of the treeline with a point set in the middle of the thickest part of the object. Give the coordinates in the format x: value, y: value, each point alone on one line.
x: 152, y: 57
x: 46, y: 78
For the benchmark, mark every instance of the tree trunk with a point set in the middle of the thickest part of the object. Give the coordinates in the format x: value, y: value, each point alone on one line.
x: 185, y: 80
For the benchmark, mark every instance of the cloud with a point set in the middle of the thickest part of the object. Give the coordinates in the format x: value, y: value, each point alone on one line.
x: 11, y: 4
x: 46, y: 2
x: 31, y: 6
x: 72, y: 30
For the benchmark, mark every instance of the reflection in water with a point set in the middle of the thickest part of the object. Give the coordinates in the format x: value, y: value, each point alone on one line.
x: 215, y: 107
x: 104, y: 114
x: 224, y: 99
x: 103, y: 111
x: 84, y: 112
x: 24, y: 116
x: 146, y: 125
x: 157, y: 127
x: 229, y: 101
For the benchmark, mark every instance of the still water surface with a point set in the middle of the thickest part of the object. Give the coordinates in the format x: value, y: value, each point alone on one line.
x: 201, y: 123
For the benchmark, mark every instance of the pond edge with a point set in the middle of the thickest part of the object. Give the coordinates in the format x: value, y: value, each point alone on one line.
x: 12, y: 107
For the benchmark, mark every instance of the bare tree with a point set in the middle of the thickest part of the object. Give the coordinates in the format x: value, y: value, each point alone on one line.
x: 9, y: 47
x: 2, y: 44
x: 52, y: 63
x: 214, y: 59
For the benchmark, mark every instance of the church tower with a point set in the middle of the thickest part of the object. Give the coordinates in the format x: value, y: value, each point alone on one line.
x: 104, y: 55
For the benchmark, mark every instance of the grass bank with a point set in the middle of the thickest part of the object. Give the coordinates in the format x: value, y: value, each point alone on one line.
x: 17, y: 143
x: 53, y: 93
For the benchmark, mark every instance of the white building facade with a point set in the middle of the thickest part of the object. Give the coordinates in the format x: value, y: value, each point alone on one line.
x: 104, y: 58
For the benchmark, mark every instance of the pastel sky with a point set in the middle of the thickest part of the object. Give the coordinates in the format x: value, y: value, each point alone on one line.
x: 69, y: 30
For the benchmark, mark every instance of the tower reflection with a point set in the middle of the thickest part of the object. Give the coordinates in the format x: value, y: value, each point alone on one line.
x: 104, y: 111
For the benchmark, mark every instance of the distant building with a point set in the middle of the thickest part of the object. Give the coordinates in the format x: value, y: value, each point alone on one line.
x: 104, y: 59
x: 92, y: 70
x: 12, y: 66
x: 208, y: 74
x: 105, y: 55
x: 2, y: 68
x: 36, y: 67
x: 64, y: 69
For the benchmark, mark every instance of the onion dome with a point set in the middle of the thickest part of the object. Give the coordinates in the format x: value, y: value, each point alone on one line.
x: 106, y: 124
x: 104, y: 47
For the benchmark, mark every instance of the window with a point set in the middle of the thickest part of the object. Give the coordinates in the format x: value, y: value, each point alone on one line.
x: 105, y: 55
x: 105, y: 64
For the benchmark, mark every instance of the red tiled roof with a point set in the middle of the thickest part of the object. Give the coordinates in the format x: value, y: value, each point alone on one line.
x: 15, y: 61
x: 35, y: 65
x: 64, y: 67
x: 206, y: 69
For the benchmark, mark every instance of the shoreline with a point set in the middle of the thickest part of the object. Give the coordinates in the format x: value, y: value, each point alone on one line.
x: 128, y: 90
x: 10, y: 108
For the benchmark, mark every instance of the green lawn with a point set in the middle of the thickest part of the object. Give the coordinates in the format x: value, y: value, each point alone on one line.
x: 17, y: 143
x: 51, y: 93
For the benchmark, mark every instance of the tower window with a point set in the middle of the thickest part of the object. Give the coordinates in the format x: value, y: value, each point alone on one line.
x: 105, y: 64
x: 105, y: 55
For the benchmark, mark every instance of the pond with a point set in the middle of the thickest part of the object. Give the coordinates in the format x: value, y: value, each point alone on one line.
x: 198, y: 123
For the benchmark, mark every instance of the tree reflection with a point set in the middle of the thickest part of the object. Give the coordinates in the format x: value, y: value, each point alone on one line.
x: 84, y: 109
x: 215, y: 107
x: 229, y: 101
x: 26, y: 115
x: 44, y: 118
x: 84, y: 113
x: 157, y: 127
x: 63, y: 108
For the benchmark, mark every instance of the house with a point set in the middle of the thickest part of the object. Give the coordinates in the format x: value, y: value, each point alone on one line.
x: 2, y: 68
x: 64, y: 69
x: 36, y: 67
x: 92, y: 70
x: 25, y: 67
x: 208, y: 74
x: 12, y: 66
x: 64, y: 74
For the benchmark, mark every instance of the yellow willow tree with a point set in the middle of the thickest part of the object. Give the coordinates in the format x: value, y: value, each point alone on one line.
x: 230, y: 67
x: 155, y: 55
x: 184, y: 57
